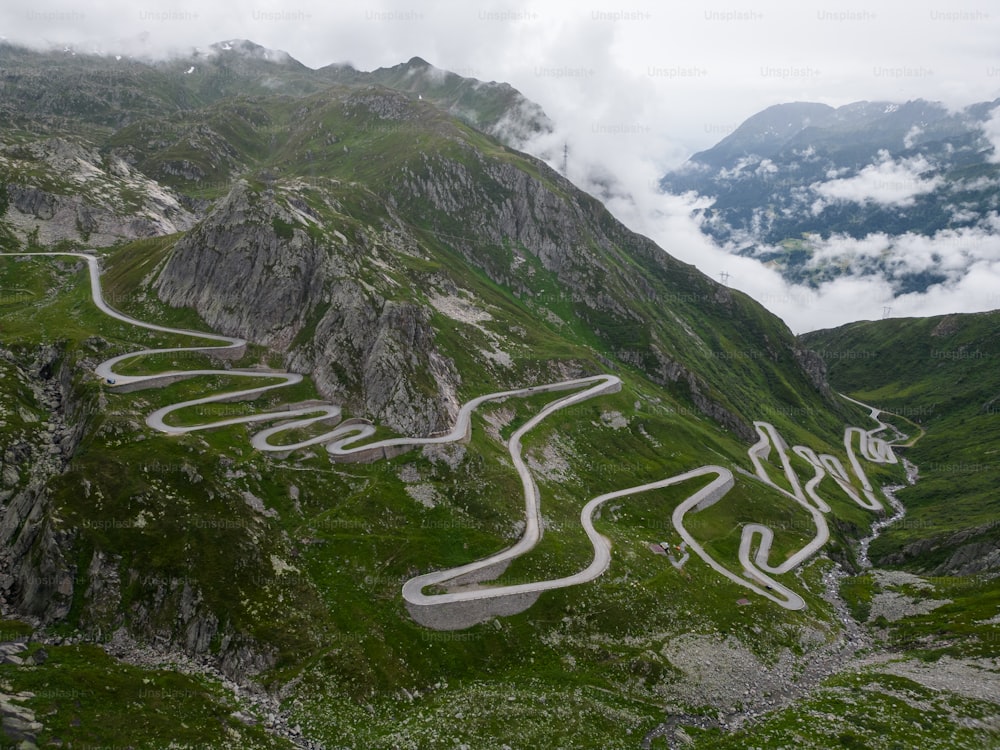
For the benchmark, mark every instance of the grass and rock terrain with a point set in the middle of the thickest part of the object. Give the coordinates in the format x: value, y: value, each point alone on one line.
x: 409, y: 262
x: 931, y: 602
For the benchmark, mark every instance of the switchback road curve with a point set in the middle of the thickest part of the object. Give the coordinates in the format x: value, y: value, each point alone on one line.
x: 465, y: 600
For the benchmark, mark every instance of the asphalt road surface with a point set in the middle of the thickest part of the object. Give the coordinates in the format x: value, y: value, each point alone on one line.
x: 342, y: 441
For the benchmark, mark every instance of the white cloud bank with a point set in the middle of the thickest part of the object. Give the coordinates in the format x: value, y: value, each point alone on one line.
x: 887, y: 182
x: 968, y: 258
x: 991, y: 129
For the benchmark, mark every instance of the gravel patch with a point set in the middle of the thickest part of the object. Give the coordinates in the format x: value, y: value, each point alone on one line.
x: 409, y: 473
x: 425, y: 494
x: 887, y: 578
x: 723, y: 672
x: 549, y: 463
x: 894, y: 606
x: 978, y: 679
x: 450, y: 454
x: 460, y: 309
x: 614, y: 419
x: 498, y: 356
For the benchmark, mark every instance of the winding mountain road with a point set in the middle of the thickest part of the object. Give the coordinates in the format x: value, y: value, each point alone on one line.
x: 466, y: 601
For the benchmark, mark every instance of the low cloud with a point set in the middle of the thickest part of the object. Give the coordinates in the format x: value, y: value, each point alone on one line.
x: 968, y: 258
x: 949, y: 252
x: 887, y: 182
x: 991, y: 129
x: 910, y: 139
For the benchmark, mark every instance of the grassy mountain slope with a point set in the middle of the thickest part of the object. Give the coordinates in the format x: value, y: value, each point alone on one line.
x: 165, y: 526
x: 935, y: 609
x: 407, y: 261
x: 941, y: 373
x: 47, y: 91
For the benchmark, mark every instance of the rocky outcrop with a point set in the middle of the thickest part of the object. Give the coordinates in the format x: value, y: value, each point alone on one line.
x: 173, y: 616
x: 32, y: 201
x: 814, y: 367
x: 255, y: 268
x: 59, y: 190
x: 18, y: 723
x: 970, y: 552
x: 241, y: 276
x: 36, y: 578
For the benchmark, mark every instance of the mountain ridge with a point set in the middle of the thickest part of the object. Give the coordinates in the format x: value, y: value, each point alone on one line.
x: 195, y: 78
x: 385, y: 262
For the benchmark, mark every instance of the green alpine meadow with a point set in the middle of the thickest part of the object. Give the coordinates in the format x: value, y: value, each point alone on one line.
x: 331, y: 419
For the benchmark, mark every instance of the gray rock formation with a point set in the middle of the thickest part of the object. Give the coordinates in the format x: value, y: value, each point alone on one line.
x: 63, y: 190
x: 254, y: 269
x: 971, y: 552
x: 589, y: 253
x: 36, y: 579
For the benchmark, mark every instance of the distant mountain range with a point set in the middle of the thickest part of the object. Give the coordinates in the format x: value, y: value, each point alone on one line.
x: 819, y: 192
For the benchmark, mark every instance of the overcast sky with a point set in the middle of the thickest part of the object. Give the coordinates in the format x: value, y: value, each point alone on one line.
x: 634, y: 88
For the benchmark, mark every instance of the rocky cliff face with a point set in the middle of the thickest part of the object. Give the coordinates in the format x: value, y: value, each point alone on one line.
x: 56, y: 190
x: 36, y: 577
x: 815, y: 368
x: 591, y: 255
x: 39, y: 577
x: 171, y: 613
x: 256, y: 267
x: 971, y: 552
